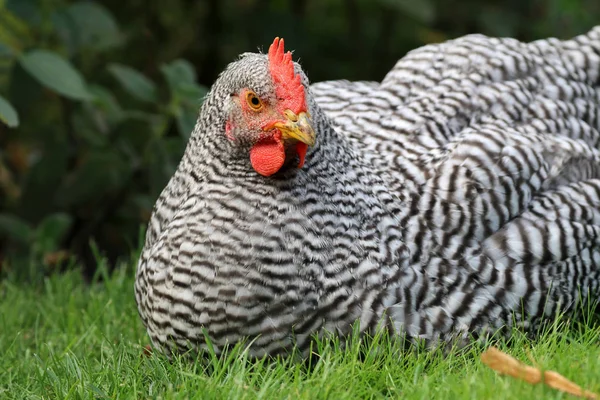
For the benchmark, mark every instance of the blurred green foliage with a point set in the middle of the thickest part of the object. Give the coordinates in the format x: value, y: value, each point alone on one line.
x: 97, y: 98
x: 96, y: 138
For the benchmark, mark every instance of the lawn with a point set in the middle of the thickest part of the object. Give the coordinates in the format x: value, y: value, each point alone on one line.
x: 65, y: 339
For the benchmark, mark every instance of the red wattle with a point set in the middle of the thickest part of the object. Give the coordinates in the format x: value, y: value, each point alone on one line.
x: 301, y: 149
x: 267, y: 156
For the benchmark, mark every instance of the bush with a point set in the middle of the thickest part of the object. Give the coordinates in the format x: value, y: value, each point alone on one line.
x: 98, y: 98
x: 96, y: 140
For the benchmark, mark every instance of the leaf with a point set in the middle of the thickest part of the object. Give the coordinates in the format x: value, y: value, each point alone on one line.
x: 133, y: 134
x: 155, y: 125
x: 181, y: 77
x: 54, y: 225
x: 50, y: 232
x: 187, y: 94
x: 193, y: 93
x: 95, y: 121
x: 86, y: 127
x: 102, y: 172
x: 105, y: 100
x: 13, y: 227
x: 178, y: 72
x: 186, y: 120
x: 86, y: 25
x: 134, y: 82
x: 56, y: 73
x: 8, y: 114
x: 94, y: 25
x: 423, y: 10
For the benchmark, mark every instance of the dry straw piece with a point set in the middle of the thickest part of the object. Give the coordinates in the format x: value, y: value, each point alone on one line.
x: 507, y: 365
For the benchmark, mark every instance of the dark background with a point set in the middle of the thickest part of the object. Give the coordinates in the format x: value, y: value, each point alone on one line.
x: 97, y: 98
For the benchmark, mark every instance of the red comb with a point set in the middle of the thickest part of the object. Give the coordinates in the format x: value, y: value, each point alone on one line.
x: 288, y: 85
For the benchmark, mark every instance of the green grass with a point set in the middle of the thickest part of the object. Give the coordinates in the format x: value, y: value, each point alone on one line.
x: 68, y: 340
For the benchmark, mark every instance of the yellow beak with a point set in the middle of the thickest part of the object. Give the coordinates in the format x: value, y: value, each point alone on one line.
x: 297, y: 127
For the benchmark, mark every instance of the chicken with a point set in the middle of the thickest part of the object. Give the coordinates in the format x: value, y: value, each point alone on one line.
x: 458, y: 197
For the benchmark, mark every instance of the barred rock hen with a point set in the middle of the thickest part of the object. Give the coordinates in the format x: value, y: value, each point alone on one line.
x: 458, y: 196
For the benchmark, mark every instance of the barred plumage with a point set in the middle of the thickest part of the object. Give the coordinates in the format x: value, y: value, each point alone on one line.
x: 458, y: 196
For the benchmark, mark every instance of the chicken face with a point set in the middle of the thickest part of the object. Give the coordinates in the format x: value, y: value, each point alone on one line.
x: 273, y: 119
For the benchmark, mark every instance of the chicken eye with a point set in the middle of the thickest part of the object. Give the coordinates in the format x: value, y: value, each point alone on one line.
x: 253, y: 101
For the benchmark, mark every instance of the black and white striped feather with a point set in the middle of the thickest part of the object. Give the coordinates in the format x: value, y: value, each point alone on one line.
x: 458, y: 196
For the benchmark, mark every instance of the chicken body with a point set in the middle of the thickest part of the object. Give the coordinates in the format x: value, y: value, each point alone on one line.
x: 458, y: 196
